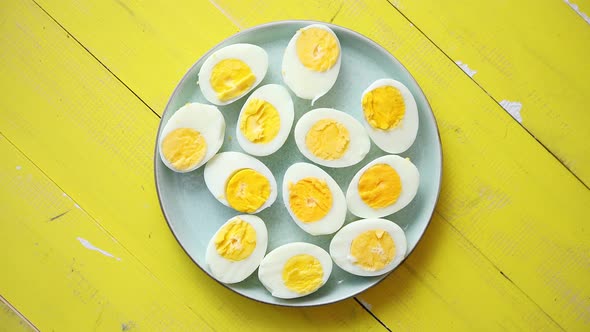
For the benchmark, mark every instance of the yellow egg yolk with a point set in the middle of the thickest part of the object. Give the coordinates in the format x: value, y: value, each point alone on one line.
x: 260, y: 121
x: 379, y: 186
x: 317, y: 49
x: 303, y: 274
x: 384, y: 107
x: 327, y: 139
x: 310, y: 199
x: 236, y: 240
x: 373, y: 250
x: 247, y: 190
x: 184, y: 148
x: 231, y: 78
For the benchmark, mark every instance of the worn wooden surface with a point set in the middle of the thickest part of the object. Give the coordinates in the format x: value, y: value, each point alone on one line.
x: 85, y: 246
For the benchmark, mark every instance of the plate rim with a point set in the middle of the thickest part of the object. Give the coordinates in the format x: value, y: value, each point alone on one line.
x: 333, y: 26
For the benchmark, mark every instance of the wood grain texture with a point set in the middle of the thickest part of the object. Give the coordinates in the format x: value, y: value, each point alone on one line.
x: 13, y: 321
x: 491, y: 197
x: 57, y: 281
x: 95, y: 138
x: 527, y: 52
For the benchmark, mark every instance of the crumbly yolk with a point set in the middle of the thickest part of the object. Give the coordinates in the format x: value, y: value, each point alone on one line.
x: 384, y: 107
x: 379, y: 186
x: 230, y: 78
x: 260, y: 121
x: 310, y: 199
x: 317, y: 49
x: 327, y: 139
x: 236, y: 240
x: 303, y: 274
x: 184, y: 148
x: 247, y: 190
x: 373, y: 250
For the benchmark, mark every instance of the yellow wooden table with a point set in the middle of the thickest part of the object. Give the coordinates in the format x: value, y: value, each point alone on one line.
x: 84, y: 243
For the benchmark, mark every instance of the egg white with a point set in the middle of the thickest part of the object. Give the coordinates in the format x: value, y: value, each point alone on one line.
x: 270, y: 271
x: 358, y: 146
x: 400, y: 138
x: 228, y: 271
x: 219, y: 169
x: 280, y: 98
x: 410, y: 180
x: 334, y: 219
x: 342, y: 241
x: 254, y: 56
x: 304, y: 82
x: 206, y: 119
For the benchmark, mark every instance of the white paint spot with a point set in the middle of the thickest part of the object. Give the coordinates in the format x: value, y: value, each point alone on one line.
x: 366, y: 304
x: 339, y: 282
x: 224, y: 12
x: 466, y: 68
x: 77, y: 206
x: 18, y: 168
x: 89, y: 245
x: 513, y: 107
x: 64, y: 195
x: 576, y: 8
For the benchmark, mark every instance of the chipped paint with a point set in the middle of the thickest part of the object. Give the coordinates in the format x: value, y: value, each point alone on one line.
x: 18, y: 168
x: 76, y: 206
x: 224, y: 12
x: 89, y: 246
x: 513, y: 107
x: 365, y: 304
x: 576, y: 8
x: 466, y: 68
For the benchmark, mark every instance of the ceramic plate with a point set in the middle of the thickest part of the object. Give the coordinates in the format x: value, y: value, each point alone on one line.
x: 194, y: 215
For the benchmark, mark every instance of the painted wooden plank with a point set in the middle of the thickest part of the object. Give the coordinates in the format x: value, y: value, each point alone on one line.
x: 530, y: 57
x: 449, y: 284
x: 63, y: 271
x: 95, y: 139
x: 477, y: 187
x: 12, y: 320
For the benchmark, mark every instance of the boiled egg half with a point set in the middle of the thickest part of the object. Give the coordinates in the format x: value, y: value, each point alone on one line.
x: 314, y: 200
x: 384, y: 186
x: 265, y: 120
x: 369, y: 247
x: 231, y: 72
x: 390, y: 115
x: 237, y: 248
x: 295, y: 269
x: 311, y: 62
x: 192, y: 135
x: 241, y: 182
x: 331, y: 138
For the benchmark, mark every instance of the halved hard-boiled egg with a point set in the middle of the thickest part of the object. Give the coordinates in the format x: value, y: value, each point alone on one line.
x: 314, y: 199
x: 237, y: 248
x: 295, y: 269
x: 384, y: 186
x: 192, y: 135
x: 390, y: 114
x: 241, y: 182
x: 265, y: 120
x: 311, y: 62
x: 369, y: 247
x: 331, y: 138
x: 231, y: 72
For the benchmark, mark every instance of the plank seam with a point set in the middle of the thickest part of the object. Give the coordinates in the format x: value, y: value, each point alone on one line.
x: 485, y: 257
x: 371, y: 313
x: 95, y: 58
x: 487, y: 93
x: 18, y: 313
x: 117, y: 242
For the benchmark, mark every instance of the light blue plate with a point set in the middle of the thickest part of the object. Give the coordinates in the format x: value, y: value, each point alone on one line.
x: 194, y: 215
